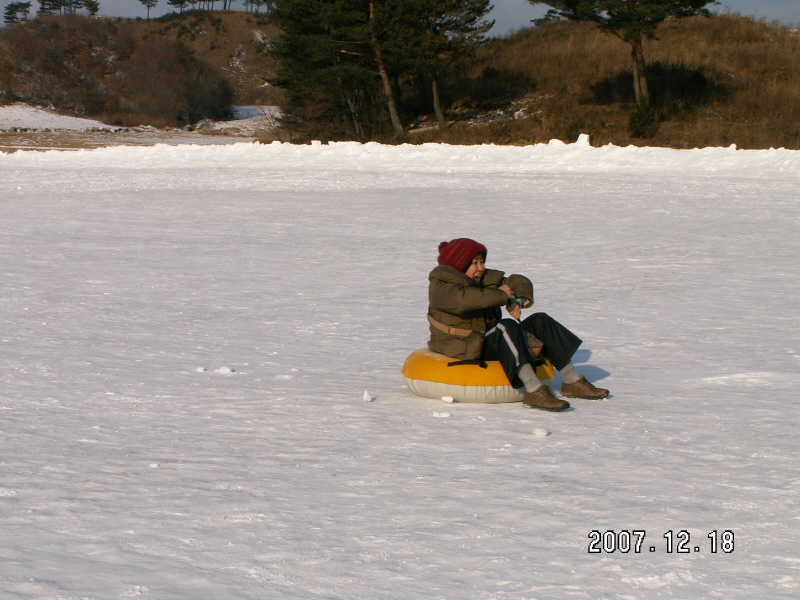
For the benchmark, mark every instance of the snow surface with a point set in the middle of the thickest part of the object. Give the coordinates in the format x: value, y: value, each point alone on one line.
x: 255, y: 112
x: 24, y: 127
x: 189, y: 333
x: 248, y: 121
x: 22, y: 115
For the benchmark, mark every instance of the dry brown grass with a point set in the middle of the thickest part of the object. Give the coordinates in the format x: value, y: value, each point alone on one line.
x: 103, y: 69
x: 234, y: 44
x: 127, y: 72
x: 715, y: 81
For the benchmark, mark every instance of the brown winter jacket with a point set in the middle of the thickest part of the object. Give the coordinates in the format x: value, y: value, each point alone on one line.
x: 456, y: 301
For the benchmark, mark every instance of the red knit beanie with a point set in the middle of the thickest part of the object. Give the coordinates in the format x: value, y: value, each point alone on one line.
x: 458, y: 253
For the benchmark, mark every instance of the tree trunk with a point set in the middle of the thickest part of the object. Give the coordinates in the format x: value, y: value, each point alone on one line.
x: 399, y: 130
x: 356, y: 117
x: 397, y: 94
x: 437, y: 104
x: 639, y: 77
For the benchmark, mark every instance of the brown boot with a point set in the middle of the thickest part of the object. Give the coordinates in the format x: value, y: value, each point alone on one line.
x: 542, y: 398
x: 583, y: 389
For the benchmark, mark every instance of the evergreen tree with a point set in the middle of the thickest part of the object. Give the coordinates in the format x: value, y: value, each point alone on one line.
x: 49, y: 7
x: 149, y: 4
x: 327, y: 68
x: 629, y: 20
x: 16, y: 12
x: 431, y: 37
x: 92, y: 6
x: 179, y: 4
x: 377, y: 25
x: 255, y: 5
x: 348, y: 57
x: 70, y: 7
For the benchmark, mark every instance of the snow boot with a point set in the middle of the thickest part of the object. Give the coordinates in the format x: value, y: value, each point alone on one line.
x: 543, y: 399
x: 583, y: 389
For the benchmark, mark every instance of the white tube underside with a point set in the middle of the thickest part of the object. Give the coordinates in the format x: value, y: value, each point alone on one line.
x: 488, y: 394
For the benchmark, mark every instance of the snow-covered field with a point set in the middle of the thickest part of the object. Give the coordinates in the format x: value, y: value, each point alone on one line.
x: 133, y: 465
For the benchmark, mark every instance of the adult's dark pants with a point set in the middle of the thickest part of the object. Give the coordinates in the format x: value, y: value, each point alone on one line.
x: 506, y: 343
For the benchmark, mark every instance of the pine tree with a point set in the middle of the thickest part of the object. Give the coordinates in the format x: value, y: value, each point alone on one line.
x: 327, y: 68
x: 179, y: 4
x: 377, y: 45
x: 92, y: 6
x: 71, y: 7
x: 629, y: 20
x: 436, y: 36
x: 348, y: 57
x: 149, y: 4
x: 16, y: 12
x: 49, y: 7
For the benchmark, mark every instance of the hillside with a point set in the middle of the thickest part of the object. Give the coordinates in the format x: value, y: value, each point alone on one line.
x: 172, y: 71
x: 715, y: 81
x: 234, y: 44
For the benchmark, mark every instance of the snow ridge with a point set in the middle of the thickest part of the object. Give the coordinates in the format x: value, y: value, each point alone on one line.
x: 555, y: 156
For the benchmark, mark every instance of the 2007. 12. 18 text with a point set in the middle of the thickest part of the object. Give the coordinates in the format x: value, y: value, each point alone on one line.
x: 626, y: 541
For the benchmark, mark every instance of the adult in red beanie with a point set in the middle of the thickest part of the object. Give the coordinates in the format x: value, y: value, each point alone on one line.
x: 466, y: 322
x: 459, y: 253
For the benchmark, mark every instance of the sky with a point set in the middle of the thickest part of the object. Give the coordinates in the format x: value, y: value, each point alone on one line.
x: 509, y: 15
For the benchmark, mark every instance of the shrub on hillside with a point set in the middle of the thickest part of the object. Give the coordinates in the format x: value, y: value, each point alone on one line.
x: 493, y: 88
x: 643, y: 122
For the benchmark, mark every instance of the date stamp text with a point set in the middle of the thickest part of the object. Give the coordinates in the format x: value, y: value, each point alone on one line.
x: 625, y: 541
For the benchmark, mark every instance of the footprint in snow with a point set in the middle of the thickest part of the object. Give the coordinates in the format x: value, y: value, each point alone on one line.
x: 441, y: 415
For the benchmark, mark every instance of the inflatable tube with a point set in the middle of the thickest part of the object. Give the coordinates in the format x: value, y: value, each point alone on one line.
x: 428, y: 375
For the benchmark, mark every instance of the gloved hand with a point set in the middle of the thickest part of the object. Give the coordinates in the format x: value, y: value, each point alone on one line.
x: 522, y: 288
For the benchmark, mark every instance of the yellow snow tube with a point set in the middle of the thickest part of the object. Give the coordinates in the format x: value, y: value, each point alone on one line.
x: 428, y: 375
